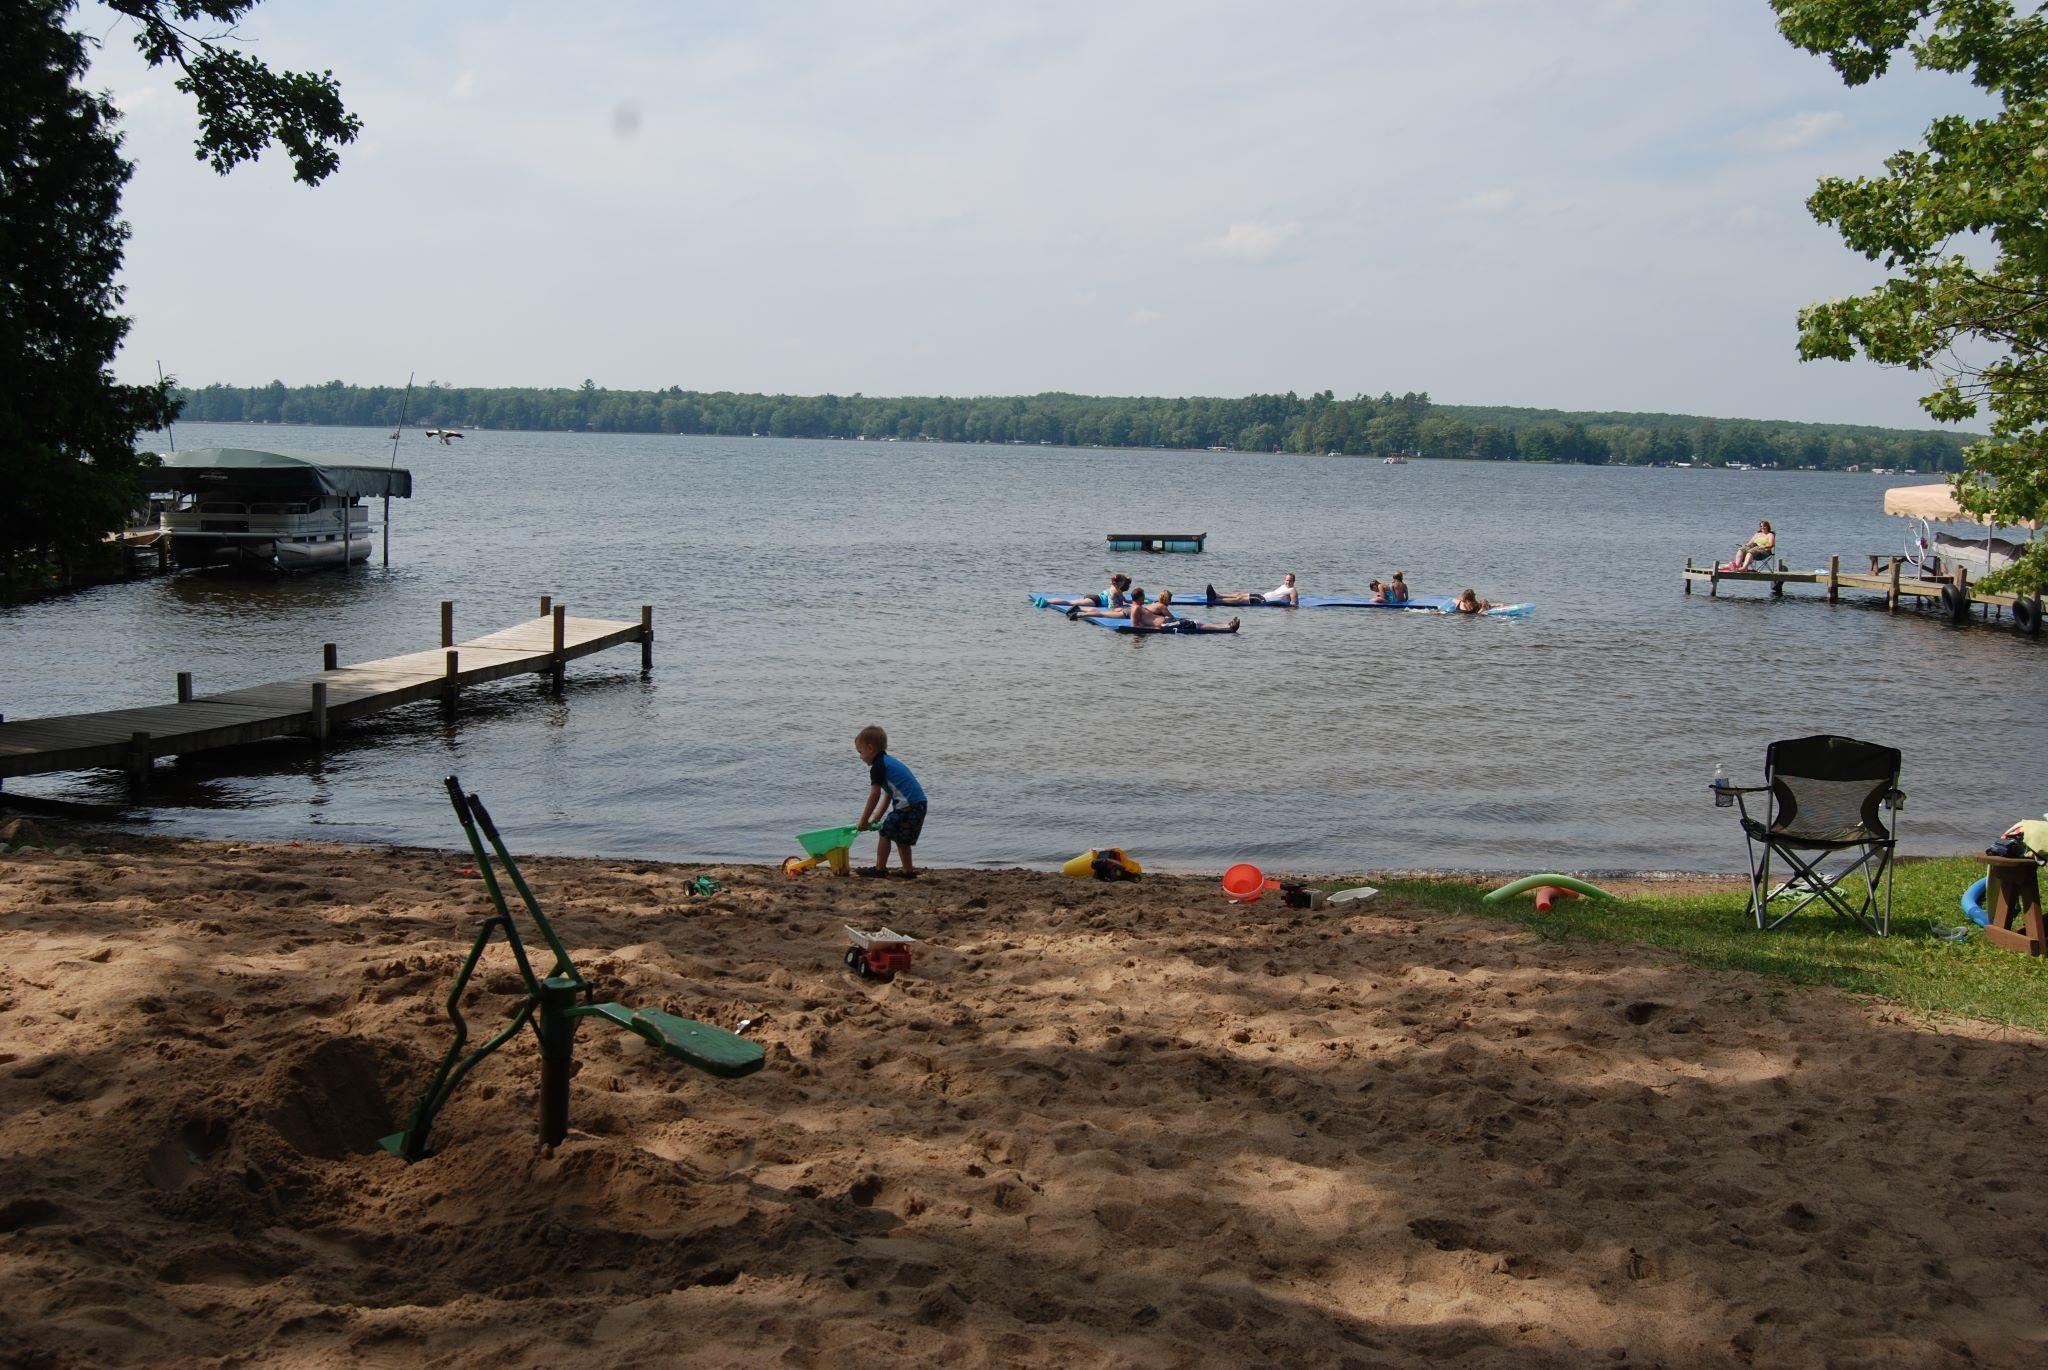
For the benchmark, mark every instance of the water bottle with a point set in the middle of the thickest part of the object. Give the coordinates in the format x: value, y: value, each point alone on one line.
x: 1722, y: 796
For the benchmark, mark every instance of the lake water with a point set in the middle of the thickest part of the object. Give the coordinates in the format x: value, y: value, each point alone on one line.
x: 803, y: 589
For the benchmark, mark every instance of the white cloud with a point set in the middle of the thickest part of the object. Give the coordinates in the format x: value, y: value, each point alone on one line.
x: 1140, y: 317
x: 128, y: 101
x: 1799, y: 130
x: 1249, y: 242
x: 464, y: 85
x: 1487, y: 202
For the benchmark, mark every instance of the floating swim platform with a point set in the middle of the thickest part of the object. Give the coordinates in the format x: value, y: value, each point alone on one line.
x: 1157, y: 542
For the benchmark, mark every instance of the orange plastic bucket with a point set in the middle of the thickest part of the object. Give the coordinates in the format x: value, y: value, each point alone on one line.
x: 1244, y: 883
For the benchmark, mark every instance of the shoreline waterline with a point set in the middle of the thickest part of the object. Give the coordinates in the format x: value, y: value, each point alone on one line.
x: 96, y: 836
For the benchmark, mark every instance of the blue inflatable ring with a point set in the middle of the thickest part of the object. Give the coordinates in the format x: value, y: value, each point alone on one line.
x: 1973, y: 902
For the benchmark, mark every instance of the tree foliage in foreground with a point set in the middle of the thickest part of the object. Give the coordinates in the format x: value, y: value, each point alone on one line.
x: 1363, y: 425
x: 67, y: 428
x: 1961, y: 225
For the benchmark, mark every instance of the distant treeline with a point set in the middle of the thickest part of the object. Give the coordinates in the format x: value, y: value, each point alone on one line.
x: 1363, y: 425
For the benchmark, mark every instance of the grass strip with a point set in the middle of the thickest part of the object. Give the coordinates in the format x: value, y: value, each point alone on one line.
x: 1914, y: 967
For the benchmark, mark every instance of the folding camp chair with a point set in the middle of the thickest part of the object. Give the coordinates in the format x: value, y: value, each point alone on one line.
x: 1823, y: 797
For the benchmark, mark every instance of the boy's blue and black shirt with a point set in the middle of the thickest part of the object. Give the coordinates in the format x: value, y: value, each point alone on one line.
x: 895, y: 777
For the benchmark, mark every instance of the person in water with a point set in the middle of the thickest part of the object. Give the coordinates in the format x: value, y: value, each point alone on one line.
x: 1760, y: 546
x: 1286, y: 595
x: 894, y: 797
x: 1117, y: 596
x: 1159, y: 617
x: 1092, y: 607
x: 1469, y: 603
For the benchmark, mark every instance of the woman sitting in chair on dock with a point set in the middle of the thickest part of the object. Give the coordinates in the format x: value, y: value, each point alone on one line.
x: 1755, y: 553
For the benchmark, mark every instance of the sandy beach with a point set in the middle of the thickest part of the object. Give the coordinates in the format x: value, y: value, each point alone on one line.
x: 1094, y: 1125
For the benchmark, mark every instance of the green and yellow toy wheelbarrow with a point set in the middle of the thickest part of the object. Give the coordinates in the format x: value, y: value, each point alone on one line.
x: 829, y: 845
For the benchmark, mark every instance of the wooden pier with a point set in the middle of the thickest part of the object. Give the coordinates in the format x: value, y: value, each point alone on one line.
x: 1157, y: 542
x: 1956, y: 596
x: 312, y: 705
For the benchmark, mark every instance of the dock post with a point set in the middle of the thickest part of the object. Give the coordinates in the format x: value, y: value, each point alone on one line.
x: 1688, y: 575
x: 1777, y: 589
x: 447, y: 623
x: 1835, y: 578
x: 561, y: 637
x: 184, y: 687
x: 1714, y: 583
x: 646, y: 638
x: 450, y: 678
x: 547, y: 605
x: 1891, y: 596
x: 330, y: 659
x: 319, y: 710
x: 138, y: 762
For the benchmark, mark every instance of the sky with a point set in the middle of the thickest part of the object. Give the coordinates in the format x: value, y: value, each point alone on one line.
x: 1574, y: 204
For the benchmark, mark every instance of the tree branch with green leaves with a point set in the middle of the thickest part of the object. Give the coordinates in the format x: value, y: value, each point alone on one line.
x: 243, y: 105
x: 1961, y: 225
x: 67, y: 427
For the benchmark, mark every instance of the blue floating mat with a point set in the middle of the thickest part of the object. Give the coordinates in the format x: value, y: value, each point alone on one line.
x: 1123, y: 625
x: 1443, y: 606
x: 1434, y: 603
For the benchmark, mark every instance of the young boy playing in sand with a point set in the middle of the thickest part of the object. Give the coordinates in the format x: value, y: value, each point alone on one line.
x: 896, y: 799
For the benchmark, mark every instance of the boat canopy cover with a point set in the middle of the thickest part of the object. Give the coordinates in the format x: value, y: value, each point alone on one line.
x: 274, y: 474
x: 1936, y: 503
x: 1925, y: 502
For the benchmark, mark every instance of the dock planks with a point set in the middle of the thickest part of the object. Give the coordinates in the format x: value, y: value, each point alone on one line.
x: 130, y: 739
x: 1890, y: 583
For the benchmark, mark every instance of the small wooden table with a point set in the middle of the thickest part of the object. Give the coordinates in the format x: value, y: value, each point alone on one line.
x: 2015, y: 892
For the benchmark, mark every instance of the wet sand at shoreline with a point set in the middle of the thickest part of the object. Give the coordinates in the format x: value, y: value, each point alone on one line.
x: 1094, y: 1124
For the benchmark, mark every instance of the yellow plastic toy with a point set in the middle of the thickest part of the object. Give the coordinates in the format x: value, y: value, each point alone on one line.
x: 1105, y: 863
x: 828, y: 845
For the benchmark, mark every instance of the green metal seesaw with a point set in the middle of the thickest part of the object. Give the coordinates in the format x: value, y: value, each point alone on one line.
x: 550, y: 1005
